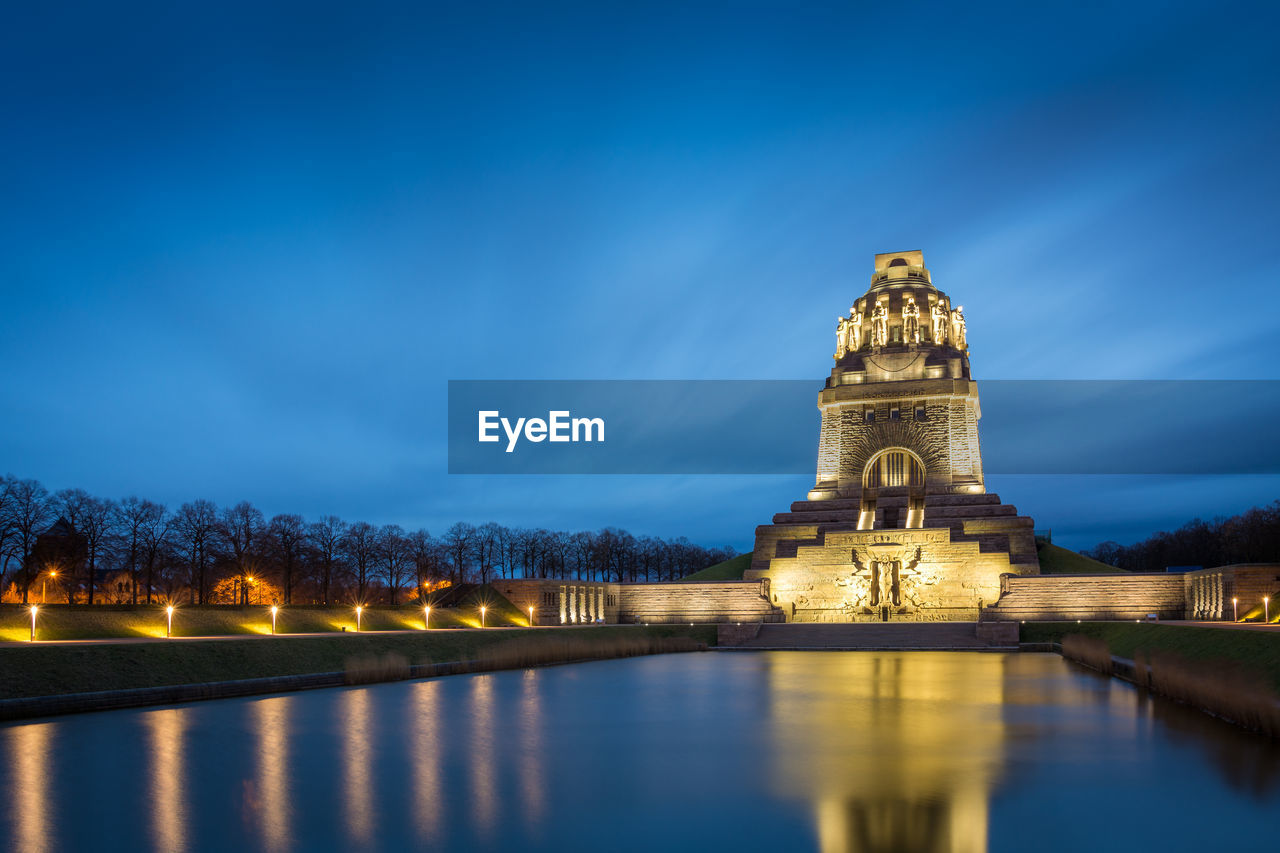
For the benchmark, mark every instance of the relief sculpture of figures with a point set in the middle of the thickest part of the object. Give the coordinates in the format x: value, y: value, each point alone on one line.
x: 842, y: 336
x: 957, y: 327
x: 911, y: 320
x: 855, y: 330
x: 940, y: 322
x: 879, y: 325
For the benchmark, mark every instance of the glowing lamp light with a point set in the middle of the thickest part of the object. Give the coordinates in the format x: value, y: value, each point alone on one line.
x: 482, y: 609
x: 168, y: 628
x: 274, y: 611
x: 426, y: 617
x: 359, y: 610
x: 1266, y: 610
x: 34, y: 611
x: 1235, y: 610
x: 530, y: 615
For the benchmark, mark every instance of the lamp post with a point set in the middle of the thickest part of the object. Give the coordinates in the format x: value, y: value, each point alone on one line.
x: 359, y: 610
x: 274, y: 611
x: 482, y: 609
x: 168, y: 628
x: 1266, y: 610
x: 34, y: 610
x: 44, y: 585
x: 530, y: 615
x: 1235, y: 609
x: 248, y: 591
x: 426, y: 617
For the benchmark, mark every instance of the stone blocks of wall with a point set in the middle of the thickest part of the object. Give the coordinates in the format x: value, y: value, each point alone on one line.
x: 714, y: 601
x: 1057, y: 598
x: 1209, y: 592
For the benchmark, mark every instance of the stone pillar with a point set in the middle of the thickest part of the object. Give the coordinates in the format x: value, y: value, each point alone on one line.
x: 600, y: 603
x: 591, y: 606
x: 563, y: 616
x: 582, y: 603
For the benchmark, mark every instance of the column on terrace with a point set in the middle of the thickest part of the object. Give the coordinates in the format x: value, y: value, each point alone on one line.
x: 600, y: 602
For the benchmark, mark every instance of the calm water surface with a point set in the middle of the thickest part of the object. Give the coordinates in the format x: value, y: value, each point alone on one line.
x: 786, y: 750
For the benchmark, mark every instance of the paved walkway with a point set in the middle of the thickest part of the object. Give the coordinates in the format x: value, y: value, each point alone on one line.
x: 1231, y: 626
x: 135, y: 640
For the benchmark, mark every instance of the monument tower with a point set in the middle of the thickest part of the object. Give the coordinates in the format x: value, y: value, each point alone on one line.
x: 899, y: 525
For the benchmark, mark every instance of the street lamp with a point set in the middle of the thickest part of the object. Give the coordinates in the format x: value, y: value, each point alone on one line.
x: 248, y: 592
x: 359, y: 610
x: 274, y: 611
x: 530, y: 615
x: 168, y: 612
x: 482, y: 609
x: 426, y: 617
x: 1266, y: 610
x: 44, y: 585
x: 1235, y: 609
x: 34, y: 609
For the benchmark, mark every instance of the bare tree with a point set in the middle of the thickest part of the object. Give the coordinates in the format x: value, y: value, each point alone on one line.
x: 196, y: 527
x: 425, y: 555
x: 360, y: 545
x: 28, y: 513
x: 287, y: 539
x: 459, y: 541
x: 241, y: 529
x: 156, y: 533
x: 395, y: 556
x: 133, y: 518
x: 325, y: 538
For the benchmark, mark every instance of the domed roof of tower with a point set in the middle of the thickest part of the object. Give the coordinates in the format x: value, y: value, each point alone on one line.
x: 901, y: 268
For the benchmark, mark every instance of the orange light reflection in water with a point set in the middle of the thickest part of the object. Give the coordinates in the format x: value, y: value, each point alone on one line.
x: 356, y: 757
x: 166, y: 731
x: 483, y: 754
x: 428, y: 740
x: 271, y: 720
x: 29, y: 749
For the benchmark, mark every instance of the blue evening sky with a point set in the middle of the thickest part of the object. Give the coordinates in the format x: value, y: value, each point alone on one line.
x: 244, y: 246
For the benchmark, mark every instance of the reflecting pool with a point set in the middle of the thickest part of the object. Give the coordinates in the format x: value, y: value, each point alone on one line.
x: 782, y: 750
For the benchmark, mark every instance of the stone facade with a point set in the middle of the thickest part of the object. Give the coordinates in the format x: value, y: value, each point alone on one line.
x: 557, y: 602
x: 1205, y: 594
x: 899, y: 525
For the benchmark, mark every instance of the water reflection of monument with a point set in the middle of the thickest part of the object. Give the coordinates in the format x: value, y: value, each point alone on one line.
x: 896, y: 751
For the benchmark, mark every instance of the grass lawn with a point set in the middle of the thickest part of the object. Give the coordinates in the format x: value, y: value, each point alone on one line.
x: 1255, y: 651
x: 730, y: 570
x: 81, y: 622
x: 1056, y: 560
x: 47, y: 670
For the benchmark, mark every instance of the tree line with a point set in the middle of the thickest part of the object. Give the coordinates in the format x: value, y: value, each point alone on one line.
x: 1251, y: 537
x: 75, y: 547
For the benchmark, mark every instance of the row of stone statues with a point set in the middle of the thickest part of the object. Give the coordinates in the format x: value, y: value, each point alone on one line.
x: 947, y: 325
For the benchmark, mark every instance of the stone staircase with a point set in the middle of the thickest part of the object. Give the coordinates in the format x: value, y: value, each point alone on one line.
x: 871, y: 636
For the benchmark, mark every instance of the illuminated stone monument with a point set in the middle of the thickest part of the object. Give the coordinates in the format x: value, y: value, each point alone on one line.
x: 899, y: 525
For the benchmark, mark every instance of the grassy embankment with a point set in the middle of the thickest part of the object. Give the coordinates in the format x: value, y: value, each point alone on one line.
x: 731, y: 569
x: 48, y: 670
x: 81, y: 622
x: 1257, y: 652
x: 1056, y: 560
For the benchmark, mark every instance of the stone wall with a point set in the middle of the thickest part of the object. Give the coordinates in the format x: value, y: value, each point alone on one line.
x: 558, y: 602
x: 1089, y: 597
x: 713, y: 601
x: 561, y: 602
x: 1209, y: 592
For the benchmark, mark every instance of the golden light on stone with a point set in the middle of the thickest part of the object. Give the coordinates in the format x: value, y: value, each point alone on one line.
x: 899, y: 525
